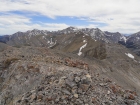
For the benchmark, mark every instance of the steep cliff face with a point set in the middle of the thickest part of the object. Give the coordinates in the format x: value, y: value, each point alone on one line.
x: 115, y: 37
x: 133, y: 43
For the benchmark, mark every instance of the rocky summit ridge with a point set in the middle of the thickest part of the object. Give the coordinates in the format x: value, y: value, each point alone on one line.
x: 42, y: 76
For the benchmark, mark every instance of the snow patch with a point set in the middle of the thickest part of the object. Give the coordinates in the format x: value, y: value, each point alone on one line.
x: 43, y: 37
x: 84, y: 41
x: 137, y: 38
x: 80, y: 53
x: 75, y: 29
x: 130, y: 55
x: 51, y: 41
x: 48, y: 41
x: 54, y: 43
x: 124, y: 38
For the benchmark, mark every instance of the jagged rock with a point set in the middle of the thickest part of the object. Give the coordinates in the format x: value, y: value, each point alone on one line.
x: 66, y: 91
x: 33, y: 97
x: 77, y: 79
x: 70, y: 83
x: 85, y: 80
x: 39, y: 97
x: 84, y: 87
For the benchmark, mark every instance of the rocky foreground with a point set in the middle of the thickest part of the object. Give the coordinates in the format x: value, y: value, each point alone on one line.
x: 36, y: 78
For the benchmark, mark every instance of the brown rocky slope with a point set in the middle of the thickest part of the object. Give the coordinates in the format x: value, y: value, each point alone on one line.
x: 42, y: 76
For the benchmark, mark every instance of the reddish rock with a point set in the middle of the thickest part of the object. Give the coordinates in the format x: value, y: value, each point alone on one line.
x: 36, y: 70
x: 108, y: 80
x: 131, y: 97
x: 94, y: 99
x: 49, y: 99
x: 33, y: 97
x: 114, y: 89
x: 30, y: 66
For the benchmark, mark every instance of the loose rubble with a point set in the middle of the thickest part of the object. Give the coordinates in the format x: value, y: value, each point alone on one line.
x: 77, y: 87
x: 54, y: 80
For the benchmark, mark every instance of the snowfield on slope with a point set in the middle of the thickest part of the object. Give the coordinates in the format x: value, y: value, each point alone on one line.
x: 130, y: 55
x: 84, y: 41
x: 80, y: 53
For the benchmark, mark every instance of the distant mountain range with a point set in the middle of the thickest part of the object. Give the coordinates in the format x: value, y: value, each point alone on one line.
x: 49, y: 38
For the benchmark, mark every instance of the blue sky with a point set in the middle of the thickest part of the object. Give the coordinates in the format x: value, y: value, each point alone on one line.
x: 108, y: 15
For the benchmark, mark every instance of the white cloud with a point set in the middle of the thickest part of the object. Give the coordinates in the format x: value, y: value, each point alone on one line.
x: 13, y: 19
x: 10, y: 24
x: 87, y: 26
x: 72, y: 7
x: 125, y: 13
x: 55, y: 26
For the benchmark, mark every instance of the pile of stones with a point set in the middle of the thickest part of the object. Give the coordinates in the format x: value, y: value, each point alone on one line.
x: 77, y: 87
